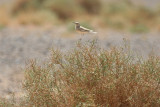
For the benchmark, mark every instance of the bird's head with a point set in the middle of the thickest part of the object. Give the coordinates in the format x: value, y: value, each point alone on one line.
x: 76, y: 23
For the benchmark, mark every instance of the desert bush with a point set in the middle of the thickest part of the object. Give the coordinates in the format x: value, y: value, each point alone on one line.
x: 90, y: 76
x: 25, y: 5
x: 91, y: 6
x: 64, y: 9
x: 9, y: 102
x: 5, y: 103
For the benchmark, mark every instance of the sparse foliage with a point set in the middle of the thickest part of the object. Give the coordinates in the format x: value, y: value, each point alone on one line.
x: 90, y: 76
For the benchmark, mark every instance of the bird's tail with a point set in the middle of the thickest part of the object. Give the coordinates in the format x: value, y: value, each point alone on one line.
x: 91, y: 31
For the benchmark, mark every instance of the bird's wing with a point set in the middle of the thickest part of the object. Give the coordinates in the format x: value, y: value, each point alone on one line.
x: 84, y: 29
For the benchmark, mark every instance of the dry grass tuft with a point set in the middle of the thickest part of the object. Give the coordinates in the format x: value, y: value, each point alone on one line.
x: 5, y: 103
x: 90, y: 76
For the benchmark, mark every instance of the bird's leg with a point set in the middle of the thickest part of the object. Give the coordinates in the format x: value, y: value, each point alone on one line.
x: 81, y: 35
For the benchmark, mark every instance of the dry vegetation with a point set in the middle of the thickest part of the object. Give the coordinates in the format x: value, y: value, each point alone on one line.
x: 120, y: 15
x: 88, y: 76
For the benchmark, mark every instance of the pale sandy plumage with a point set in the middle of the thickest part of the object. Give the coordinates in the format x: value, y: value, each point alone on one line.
x: 82, y: 29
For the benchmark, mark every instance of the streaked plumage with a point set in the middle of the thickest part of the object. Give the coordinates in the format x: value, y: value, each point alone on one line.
x: 82, y: 29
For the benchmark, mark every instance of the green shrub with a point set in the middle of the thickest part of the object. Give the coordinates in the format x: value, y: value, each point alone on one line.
x: 119, y: 7
x: 2, y: 26
x: 139, y: 28
x: 119, y: 25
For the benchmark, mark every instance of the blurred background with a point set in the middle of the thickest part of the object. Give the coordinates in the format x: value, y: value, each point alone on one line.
x: 30, y: 28
x: 135, y: 16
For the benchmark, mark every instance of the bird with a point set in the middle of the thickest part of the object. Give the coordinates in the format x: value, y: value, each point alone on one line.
x: 82, y: 29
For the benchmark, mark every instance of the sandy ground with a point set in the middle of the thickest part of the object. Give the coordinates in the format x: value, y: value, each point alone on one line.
x: 19, y: 45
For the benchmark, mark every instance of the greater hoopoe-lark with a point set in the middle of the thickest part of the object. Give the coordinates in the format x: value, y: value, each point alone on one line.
x: 82, y: 29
